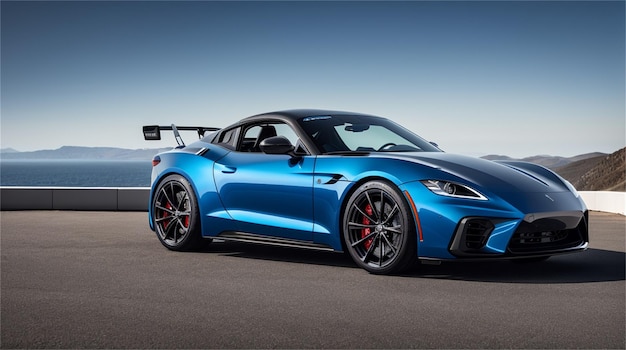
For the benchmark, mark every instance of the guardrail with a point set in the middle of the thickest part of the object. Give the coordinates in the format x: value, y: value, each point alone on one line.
x: 136, y: 199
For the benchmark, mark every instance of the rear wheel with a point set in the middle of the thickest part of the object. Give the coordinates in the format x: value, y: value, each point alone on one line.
x: 378, y: 230
x: 175, y: 214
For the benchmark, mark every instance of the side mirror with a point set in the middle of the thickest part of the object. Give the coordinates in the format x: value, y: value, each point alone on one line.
x: 276, y: 145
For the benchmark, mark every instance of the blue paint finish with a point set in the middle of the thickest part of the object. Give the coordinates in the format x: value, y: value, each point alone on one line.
x: 500, y: 237
x: 264, y: 193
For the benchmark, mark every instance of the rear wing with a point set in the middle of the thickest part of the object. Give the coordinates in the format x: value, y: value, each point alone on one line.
x: 153, y: 132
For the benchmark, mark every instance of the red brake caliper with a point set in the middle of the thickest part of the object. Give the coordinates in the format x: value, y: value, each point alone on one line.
x: 187, y: 221
x: 166, y: 223
x: 366, y: 231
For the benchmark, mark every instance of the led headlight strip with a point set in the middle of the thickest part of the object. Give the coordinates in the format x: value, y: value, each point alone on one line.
x: 452, y: 189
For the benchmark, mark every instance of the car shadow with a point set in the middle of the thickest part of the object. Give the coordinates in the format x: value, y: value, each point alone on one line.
x: 593, y: 265
x: 284, y: 254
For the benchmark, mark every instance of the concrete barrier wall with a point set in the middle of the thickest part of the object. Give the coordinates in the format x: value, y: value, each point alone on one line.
x: 75, y: 198
x: 136, y: 199
x: 607, y: 201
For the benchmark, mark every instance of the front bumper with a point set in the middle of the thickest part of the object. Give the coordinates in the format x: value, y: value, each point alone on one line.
x: 536, y: 224
x: 540, y: 234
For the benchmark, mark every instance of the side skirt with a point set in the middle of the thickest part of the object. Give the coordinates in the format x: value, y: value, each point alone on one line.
x: 275, y: 241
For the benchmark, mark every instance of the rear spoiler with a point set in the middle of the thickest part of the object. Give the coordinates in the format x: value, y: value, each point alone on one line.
x: 153, y: 132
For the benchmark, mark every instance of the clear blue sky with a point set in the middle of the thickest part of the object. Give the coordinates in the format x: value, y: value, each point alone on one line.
x: 514, y: 78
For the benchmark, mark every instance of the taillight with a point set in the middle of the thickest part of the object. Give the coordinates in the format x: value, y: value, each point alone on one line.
x: 156, y: 160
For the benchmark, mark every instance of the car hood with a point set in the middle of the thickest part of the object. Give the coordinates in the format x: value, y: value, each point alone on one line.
x: 497, y: 177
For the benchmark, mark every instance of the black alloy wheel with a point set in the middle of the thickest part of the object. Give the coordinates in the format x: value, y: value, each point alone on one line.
x: 379, y: 230
x: 175, y: 214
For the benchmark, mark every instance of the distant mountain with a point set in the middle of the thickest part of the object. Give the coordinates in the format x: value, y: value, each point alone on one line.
x: 548, y: 161
x: 602, y: 173
x: 87, y: 153
x: 551, y: 162
x: 587, y: 172
x: 496, y: 157
x: 7, y: 150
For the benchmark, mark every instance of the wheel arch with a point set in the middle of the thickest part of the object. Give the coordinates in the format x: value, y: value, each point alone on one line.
x: 157, y: 182
x: 390, y: 260
x: 354, y: 187
x: 175, y: 214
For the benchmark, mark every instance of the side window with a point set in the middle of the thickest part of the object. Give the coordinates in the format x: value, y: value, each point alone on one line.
x: 249, y: 139
x: 229, y: 138
x: 287, y: 131
x: 255, y: 133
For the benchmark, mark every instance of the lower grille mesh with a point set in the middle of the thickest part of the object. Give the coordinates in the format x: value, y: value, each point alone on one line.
x: 530, y: 238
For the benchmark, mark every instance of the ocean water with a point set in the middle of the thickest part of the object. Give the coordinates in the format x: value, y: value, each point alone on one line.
x: 75, y: 173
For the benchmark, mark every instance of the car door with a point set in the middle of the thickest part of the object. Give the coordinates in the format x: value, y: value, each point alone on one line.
x: 267, y: 194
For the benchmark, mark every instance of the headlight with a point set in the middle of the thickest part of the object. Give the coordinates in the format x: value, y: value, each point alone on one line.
x: 451, y: 189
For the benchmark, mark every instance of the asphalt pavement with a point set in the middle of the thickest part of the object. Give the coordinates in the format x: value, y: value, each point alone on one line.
x: 102, y: 280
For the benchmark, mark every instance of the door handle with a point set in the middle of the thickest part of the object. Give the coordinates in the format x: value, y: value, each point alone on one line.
x: 225, y: 168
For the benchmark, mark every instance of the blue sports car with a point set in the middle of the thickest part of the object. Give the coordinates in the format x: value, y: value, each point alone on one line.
x: 344, y: 181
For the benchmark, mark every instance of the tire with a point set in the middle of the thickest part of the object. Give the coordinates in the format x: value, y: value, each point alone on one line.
x: 176, y: 216
x: 378, y: 229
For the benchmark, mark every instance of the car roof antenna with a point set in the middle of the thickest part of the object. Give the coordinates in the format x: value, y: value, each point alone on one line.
x: 179, y: 140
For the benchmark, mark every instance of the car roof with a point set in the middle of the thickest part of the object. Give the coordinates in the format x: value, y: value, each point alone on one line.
x: 295, y: 114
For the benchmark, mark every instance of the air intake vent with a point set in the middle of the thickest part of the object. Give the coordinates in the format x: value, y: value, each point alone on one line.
x: 476, y: 233
x: 471, y: 236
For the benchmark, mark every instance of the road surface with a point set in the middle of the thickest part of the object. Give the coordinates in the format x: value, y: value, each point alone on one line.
x: 102, y: 280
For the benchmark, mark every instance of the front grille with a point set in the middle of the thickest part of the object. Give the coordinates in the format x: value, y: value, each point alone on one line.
x: 546, y: 236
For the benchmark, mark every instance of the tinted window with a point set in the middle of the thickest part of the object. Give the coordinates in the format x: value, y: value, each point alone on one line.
x: 255, y: 133
x: 229, y: 138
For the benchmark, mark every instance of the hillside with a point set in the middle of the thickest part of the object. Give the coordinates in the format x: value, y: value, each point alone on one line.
x: 587, y: 172
x: 604, y: 173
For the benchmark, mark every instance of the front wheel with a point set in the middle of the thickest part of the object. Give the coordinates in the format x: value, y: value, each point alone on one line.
x: 378, y: 229
x: 175, y: 214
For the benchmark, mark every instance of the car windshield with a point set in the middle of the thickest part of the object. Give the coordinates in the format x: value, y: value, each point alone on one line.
x: 358, y: 133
